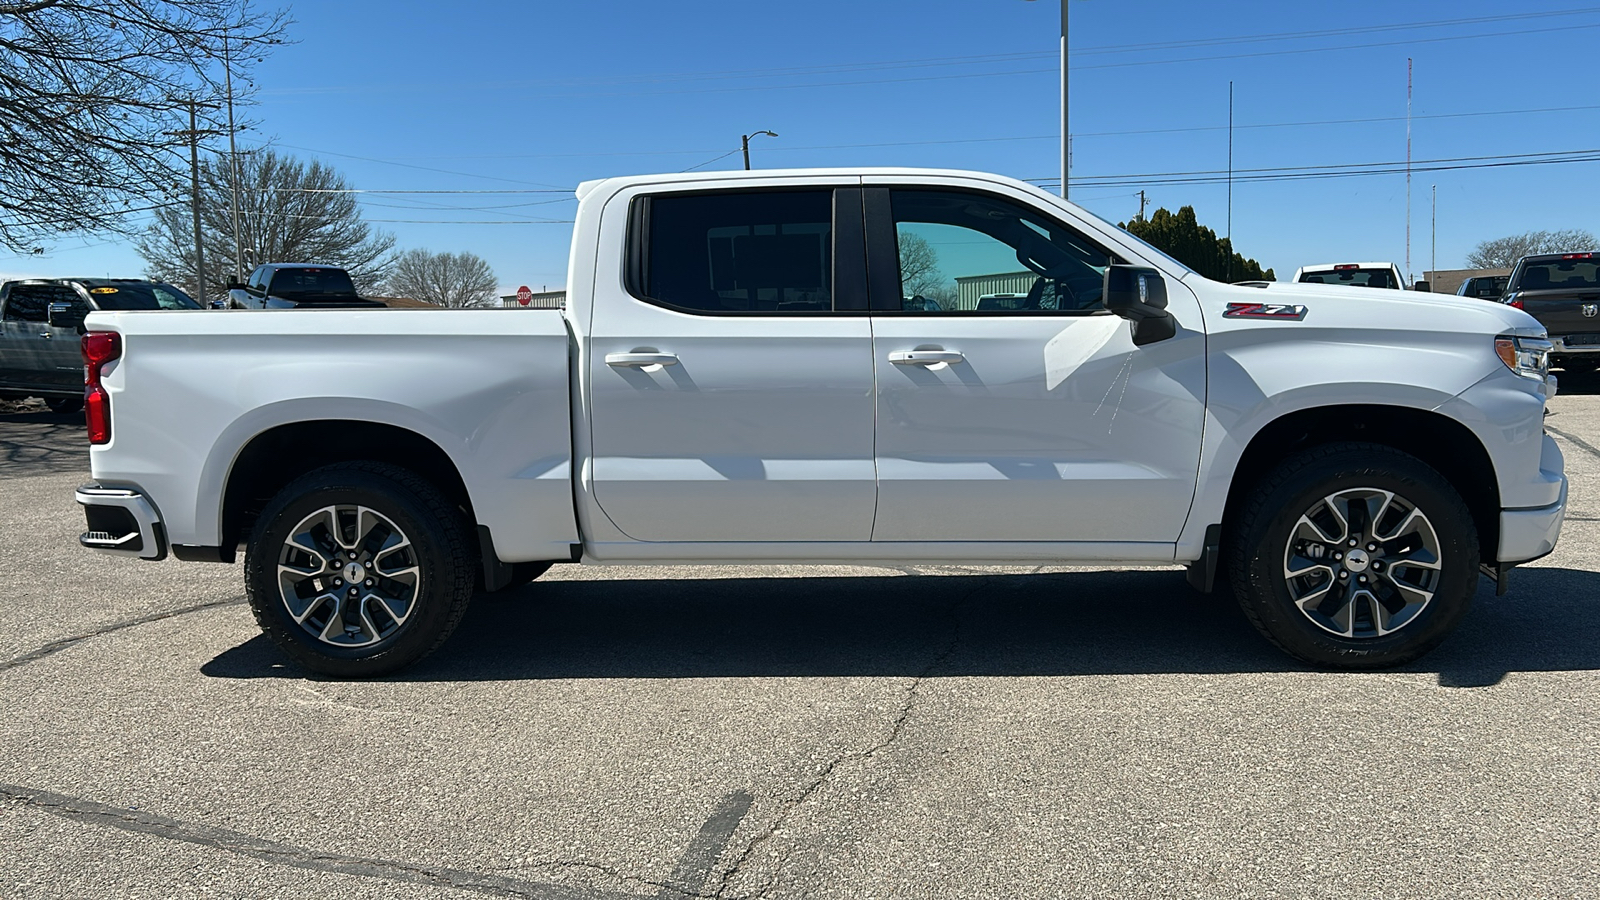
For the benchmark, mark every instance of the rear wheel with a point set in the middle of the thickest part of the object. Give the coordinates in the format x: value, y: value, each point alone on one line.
x: 1354, y: 556
x: 359, y: 569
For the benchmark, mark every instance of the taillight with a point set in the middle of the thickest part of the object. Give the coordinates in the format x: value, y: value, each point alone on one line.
x: 99, y: 348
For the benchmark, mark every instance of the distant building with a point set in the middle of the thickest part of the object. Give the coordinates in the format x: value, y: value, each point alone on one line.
x: 969, y: 288
x: 541, y: 300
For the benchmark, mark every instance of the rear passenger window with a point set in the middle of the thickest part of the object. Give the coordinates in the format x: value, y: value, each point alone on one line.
x: 31, y: 302
x: 747, y: 252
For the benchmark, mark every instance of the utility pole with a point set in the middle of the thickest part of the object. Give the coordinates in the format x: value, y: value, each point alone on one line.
x: 1434, y: 237
x: 233, y: 165
x: 1229, y: 264
x: 1066, y: 136
x: 1141, y: 206
x: 1408, y: 169
x: 193, y: 135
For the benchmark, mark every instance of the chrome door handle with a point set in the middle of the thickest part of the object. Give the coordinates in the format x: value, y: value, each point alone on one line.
x: 640, y: 360
x: 925, y: 357
x: 47, y: 335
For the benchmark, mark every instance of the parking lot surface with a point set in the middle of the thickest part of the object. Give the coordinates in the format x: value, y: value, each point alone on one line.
x: 766, y: 731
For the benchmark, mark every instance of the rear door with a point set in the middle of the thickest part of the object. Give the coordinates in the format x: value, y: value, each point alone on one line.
x: 1011, y: 405
x: 730, y: 368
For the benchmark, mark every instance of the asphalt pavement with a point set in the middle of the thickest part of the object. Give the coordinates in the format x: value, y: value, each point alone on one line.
x: 933, y: 732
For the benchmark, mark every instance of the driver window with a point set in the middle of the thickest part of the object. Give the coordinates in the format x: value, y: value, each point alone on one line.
x: 962, y: 252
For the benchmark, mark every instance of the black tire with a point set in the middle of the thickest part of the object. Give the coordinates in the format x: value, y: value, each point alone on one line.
x: 436, y: 597
x: 1258, y: 548
x: 1579, y: 366
x: 64, y: 404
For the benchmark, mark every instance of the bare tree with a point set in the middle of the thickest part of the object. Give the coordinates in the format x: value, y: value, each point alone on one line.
x: 94, y: 97
x: 1504, y: 252
x: 451, y: 280
x: 288, y: 212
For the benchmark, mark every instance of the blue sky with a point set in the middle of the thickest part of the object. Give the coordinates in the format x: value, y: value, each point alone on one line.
x: 537, y: 96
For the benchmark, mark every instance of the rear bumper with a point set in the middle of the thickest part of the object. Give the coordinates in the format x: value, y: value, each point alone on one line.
x: 1527, y: 534
x: 122, y: 522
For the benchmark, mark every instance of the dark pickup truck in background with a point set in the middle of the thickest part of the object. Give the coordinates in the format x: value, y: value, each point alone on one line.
x: 297, y: 286
x: 1562, y: 291
x: 40, y: 323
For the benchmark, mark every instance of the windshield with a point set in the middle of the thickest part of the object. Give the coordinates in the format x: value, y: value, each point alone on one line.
x: 1377, y: 278
x: 139, y: 296
x: 1558, y: 274
x: 311, y: 283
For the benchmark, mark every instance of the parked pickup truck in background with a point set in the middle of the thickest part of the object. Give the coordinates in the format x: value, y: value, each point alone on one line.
x: 1562, y: 291
x: 744, y: 373
x: 41, y: 319
x: 297, y: 286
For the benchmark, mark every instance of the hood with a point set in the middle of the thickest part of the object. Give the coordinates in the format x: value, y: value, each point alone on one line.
x: 1387, y: 308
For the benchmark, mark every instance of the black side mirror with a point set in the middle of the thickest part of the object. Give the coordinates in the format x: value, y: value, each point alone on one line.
x: 234, y: 283
x: 67, y: 315
x: 1138, y: 294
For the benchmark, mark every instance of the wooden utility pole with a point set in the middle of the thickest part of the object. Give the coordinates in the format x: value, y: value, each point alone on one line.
x: 193, y: 135
x: 1141, y: 206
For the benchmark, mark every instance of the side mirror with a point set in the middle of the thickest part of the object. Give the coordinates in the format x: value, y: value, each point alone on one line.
x: 1423, y: 286
x: 1139, y: 295
x: 234, y: 283
x: 66, y: 315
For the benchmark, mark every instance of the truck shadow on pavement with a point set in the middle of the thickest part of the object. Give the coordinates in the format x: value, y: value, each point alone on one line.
x: 1058, y: 624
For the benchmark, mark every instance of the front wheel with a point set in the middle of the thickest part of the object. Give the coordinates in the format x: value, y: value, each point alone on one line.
x: 1354, y: 556
x: 359, y: 569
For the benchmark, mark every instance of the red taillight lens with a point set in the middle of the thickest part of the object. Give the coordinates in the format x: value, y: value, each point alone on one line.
x: 1516, y: 304
x: 99, y: 348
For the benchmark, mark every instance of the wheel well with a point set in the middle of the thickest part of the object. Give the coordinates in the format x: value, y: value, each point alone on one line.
x: 1438, y: 440
x: 278, y: 456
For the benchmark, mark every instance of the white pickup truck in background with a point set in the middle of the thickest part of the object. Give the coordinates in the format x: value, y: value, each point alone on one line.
x: 794, y: 366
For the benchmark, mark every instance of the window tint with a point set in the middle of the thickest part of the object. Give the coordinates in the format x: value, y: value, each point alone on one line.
x: 311, y: 284
x: 1548, y: 274
x: 963, y: 252
x: 741, y: 252
x: 1351, y: 277
x: 31, y: 302
x: 141, y: 296
x: 258, y: 280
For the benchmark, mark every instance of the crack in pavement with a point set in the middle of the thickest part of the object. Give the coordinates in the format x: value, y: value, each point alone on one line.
x: 895, y: 730
x: 686, y: 880
x: 1574, y: 439
x: 59, y: 645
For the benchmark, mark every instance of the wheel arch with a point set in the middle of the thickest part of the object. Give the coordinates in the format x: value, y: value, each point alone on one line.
x: 1448, y: 446
x: 275, y: 457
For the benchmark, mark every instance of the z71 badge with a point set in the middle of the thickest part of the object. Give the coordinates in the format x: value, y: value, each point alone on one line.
x: 1264, y: 311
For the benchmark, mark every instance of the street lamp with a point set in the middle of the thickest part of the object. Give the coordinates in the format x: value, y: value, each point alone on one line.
x: 1066, y: 145
x: 744, y: 141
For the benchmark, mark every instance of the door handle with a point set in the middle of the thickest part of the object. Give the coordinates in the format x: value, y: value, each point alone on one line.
x: 47, y: 335
x: 925, y: 357
x: 640, y: 360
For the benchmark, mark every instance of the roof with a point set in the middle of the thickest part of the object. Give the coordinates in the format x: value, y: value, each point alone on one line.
x: 295, y: 265
x: 588, y: 187
x: 1363, y: 265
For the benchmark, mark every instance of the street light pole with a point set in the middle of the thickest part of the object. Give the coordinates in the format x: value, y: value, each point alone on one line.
x: 1066, y: 136
x: 744, y: 142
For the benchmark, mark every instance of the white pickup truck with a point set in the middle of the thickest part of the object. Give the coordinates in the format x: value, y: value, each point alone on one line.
x: 794, y: 366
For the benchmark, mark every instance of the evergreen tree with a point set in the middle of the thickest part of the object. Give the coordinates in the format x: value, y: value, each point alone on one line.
x: 1182, y: 237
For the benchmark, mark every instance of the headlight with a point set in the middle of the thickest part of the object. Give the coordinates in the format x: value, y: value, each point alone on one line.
x: 1524, y: 355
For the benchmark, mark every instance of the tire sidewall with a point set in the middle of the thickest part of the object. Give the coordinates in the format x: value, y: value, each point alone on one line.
x: 1268, y: 592
x: 392, y: 500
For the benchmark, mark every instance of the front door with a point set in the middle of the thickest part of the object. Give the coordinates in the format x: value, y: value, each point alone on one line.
x: 1011, y: 405
x: 731, y: 381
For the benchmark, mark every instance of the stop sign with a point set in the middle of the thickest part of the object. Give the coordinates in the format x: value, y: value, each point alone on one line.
x: 524, y: 296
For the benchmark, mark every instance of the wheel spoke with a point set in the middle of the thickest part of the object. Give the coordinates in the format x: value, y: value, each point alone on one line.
x: 1397, y: 561
x: 352, y: 542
